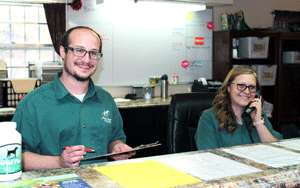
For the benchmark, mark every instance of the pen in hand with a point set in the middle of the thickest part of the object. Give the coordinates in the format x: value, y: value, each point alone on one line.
x: 86, y: 149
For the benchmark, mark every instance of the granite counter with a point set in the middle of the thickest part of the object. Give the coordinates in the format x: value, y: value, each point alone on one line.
x: 138, y: 103
x: 288, y: 176
x: 142, y: 103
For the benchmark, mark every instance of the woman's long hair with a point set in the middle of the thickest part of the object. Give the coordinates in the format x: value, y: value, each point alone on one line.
x: 222, y: 102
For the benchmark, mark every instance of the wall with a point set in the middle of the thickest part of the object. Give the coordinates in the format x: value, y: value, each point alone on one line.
x: 257, y: 12
x: 257, y: 15
x: 140, y: 42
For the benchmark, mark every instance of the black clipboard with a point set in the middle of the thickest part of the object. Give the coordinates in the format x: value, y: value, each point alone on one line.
x: 123, y: 152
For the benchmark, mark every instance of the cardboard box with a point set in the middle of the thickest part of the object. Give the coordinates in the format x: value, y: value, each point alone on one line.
x: 291, y: 57
x: 266, y: 74
x: 253, y: 47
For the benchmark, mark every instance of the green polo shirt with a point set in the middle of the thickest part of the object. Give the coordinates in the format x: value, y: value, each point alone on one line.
x: 50, y: 117
x: 209, y: 137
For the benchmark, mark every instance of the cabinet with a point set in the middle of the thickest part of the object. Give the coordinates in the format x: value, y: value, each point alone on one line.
x: 284, y: 94
x: 145, y: 126
x: 287, y: 93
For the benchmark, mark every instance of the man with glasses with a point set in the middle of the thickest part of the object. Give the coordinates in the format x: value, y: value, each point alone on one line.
x: 229, y: 122
x: 60, y: 119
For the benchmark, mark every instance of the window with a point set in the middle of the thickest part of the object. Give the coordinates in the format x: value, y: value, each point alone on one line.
x: 24, y: 37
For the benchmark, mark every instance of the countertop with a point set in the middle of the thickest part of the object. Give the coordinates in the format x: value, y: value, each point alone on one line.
x: 138, y: 103
x: 288, y: 176
x: 9, y: 111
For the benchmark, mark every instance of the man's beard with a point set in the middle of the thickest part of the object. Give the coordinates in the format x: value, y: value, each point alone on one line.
x: 76, y: 76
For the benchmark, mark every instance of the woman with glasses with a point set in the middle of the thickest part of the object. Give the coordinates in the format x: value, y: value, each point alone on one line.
x: 230, y: 122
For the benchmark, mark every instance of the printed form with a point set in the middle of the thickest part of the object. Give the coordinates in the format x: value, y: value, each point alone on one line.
x: 293, y: 144
x: 267, y: 155
x: 208, y: 166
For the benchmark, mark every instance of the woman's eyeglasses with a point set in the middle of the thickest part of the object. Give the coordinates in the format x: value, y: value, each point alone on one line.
x: 243, y: 87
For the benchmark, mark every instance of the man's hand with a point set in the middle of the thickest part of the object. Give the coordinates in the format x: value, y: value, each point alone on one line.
x: 71, y: 156
x: 119, y: 146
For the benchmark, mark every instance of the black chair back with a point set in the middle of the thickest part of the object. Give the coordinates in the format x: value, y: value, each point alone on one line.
x: 183, y: 116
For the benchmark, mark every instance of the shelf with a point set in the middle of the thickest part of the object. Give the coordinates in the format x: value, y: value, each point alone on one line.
x: 284, y: 95
x: 249, y: 33
x: 290, y: 120
x: 266, y: 61
x: 290, y: 36
x: 286, y: 65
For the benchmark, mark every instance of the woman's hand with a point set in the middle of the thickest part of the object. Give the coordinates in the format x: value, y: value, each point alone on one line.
x: 256, y: 114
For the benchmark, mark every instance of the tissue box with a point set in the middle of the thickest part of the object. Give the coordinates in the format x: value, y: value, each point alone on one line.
x: 291, y: 57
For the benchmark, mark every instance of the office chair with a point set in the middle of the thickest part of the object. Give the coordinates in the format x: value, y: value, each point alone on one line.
x: 184, y: 112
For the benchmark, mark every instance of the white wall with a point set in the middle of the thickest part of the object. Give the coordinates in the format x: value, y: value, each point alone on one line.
x: 140, y: 42
x: 257, y: 12
x: 257, y: 15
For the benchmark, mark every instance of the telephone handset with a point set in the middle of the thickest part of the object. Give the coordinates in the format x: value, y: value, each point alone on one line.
x: 248, y: 109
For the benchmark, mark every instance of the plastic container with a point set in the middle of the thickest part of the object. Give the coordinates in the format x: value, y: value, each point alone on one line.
x: 164, y: 86
x: 10, y: 152
x: 10, y: 97
x: 148, y: 92
x: 175, y: 80
x: 253, y: 47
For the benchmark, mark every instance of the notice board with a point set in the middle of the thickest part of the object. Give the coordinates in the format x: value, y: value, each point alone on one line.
x: 140, y: 43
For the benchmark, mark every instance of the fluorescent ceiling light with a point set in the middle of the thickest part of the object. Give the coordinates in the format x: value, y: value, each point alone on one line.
x: 156, y: 5
x: 173, y: 5
x: 33, y: 1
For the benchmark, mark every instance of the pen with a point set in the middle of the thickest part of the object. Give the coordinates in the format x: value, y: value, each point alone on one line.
x: 86, y: 149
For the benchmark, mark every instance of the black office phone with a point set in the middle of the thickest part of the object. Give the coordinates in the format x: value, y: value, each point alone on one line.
x: 248, y: 110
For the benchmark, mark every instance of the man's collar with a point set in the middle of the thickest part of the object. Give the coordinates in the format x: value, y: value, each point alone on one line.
x: 61, y: 91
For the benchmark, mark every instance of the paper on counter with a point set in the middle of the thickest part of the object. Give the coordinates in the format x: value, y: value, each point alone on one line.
x: 148, y: 174
x: 267, y: 155
x: 121, y: 100
x: 293, y: 144
x: 208, y: 166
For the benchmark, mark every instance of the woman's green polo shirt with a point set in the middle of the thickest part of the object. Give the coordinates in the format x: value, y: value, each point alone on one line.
x: 209, y: 137
x: 50, y: 118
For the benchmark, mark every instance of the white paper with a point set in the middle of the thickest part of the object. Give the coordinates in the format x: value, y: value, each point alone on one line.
x: 268, y: 109
x: 293, y: 144
x: 267, y: 155
x: 121, y: 100
x: 208, y: 166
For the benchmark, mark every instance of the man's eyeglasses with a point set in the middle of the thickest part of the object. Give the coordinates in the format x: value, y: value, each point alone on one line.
x: 243, y: 87
x: 81, y: 53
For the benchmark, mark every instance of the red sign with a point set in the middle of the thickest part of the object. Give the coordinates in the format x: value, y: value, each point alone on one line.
x: 185, y: 64
x: 210, y: 25
x: 199, y: 40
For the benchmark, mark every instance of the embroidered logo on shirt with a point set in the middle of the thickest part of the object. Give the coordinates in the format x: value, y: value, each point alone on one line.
x: 105, y: 116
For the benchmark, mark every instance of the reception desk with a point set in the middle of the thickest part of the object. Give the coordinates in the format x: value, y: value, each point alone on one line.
x: 268, y: 176
x: 144, y: 122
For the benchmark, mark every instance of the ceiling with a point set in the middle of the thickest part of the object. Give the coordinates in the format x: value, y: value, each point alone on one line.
x: 207, y: 2
x: 33, y: 1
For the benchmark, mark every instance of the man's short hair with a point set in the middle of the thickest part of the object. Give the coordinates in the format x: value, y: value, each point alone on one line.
x: 65, y: 38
